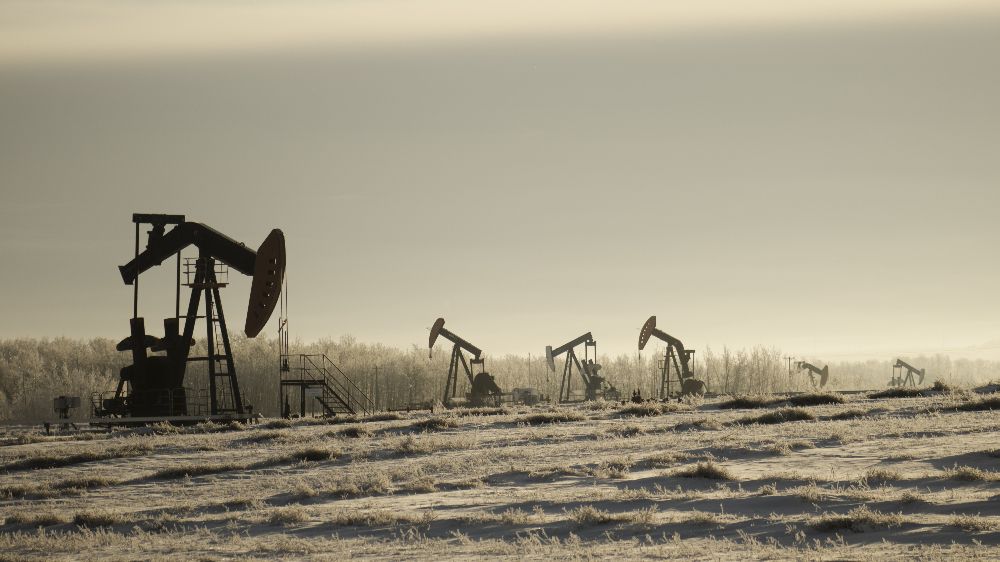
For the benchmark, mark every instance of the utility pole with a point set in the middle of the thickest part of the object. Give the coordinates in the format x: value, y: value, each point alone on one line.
x: 789, y: 366
x: 376, y: 387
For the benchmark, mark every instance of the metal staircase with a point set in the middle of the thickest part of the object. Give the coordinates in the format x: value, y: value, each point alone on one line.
x: 320, y: 382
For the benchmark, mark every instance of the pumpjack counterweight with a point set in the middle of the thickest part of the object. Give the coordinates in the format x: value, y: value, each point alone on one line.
x: 483, y: 389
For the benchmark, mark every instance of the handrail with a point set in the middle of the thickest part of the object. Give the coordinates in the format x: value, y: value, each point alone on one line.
x: 319, y: 367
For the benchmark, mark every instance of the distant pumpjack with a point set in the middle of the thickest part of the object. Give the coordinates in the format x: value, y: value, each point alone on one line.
x: 912, y: 373
x: 676, y: 355
x: 595, y: 385
x: 153, y: 386
x: 483, y: 389
x: 817, y: 377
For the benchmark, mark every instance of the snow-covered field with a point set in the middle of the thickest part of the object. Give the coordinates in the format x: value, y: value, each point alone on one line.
x: 894, y: 478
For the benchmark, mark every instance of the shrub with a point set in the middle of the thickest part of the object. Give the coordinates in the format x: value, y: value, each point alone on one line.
x: 942, y: 387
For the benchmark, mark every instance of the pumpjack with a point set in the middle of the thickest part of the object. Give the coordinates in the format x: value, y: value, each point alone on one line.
x: 483, y: 389
x: 595, y: 385
x: 899, y: 380
x: 153, y: 385
x: 817, y: 377
x: 676, y: 355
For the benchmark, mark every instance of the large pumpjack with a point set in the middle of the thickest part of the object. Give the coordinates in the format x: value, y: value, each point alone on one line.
x: 483, y: 389
x: 595, y: 386
x: 677, y: 356
x: 153, y: 385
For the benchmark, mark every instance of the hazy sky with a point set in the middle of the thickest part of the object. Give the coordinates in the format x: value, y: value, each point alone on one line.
x: 820, y: 179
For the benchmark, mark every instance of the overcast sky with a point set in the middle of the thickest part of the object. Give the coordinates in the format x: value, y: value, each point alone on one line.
x: 824, y: 180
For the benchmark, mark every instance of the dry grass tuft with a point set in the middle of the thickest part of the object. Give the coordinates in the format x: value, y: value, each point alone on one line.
x: 848, y: 415
x: 49, y: 460
x: 941, y: 386
x: 435, y: 424
x: 897, y: 393
x: 881, y: 475
x: 912, y: 497
x: 99, y: 518
x: 44, y: 519
x: 84, y: 483
x: 354, y: 432
x: 856, y: 520
x: 625, y: 431
x: 778, y: 416
x: 616, y: 468
x: 707, y: 469
x: 746, y: 402
x: 644, y: 409
x: 983, y: 404
x: 971, y: 474
x: 665, y: 459
x: 816, y: 399
x: 482, y: 411
x: 588, y: 515
x: 974, y: 523
x: 194, y: 470
x: 550, y: 417
x: 288, y: 515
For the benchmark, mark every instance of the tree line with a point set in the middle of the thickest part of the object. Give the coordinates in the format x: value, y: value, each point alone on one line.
x: 34, y: 371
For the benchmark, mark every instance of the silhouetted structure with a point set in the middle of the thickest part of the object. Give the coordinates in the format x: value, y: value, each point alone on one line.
x: 912, y: 374
x: 817, y: 377
x: 483, y: 389
x: 677, y: 356
x: 153, y: 385
x: 595, y: 385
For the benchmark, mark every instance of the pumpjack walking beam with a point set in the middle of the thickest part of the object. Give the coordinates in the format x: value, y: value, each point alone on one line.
x: 677, y: 355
